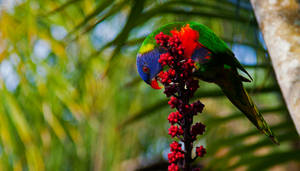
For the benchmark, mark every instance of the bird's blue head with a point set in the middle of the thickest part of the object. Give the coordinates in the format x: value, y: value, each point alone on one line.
x: 148, y: 67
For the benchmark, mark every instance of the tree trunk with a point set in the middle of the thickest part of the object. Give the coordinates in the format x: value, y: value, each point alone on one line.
x: 279, y: 21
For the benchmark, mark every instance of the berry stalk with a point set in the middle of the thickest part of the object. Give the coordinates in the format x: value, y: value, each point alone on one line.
x: 180, y: 86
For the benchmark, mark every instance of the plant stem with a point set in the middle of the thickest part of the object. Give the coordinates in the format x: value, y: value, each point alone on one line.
x: 187, y: 143
x: 188, y: 120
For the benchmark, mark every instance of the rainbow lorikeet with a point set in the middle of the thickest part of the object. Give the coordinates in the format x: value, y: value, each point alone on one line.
x: 215, y: 63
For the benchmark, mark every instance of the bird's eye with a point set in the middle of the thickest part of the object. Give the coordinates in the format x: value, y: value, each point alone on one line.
x: 146, y: 69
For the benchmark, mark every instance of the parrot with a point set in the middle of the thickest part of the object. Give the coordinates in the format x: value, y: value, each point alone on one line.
x: 214, y: 63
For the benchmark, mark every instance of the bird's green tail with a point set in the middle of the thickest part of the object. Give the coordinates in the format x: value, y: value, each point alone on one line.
x: 236, y: 93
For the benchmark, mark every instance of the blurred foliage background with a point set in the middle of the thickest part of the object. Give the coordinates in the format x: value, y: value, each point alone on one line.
x: 71, y: 98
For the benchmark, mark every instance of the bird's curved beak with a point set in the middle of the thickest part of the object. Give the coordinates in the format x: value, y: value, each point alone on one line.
x: 154, y: 84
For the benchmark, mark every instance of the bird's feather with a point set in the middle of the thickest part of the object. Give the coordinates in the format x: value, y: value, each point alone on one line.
x: 232, y: 86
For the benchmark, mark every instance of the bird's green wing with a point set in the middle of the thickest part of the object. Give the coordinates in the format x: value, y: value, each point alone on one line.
x: 216, y: 45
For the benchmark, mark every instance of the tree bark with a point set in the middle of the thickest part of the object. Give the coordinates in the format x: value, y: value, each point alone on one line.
x: 279, y: 21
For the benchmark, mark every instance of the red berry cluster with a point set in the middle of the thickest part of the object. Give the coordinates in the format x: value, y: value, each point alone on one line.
x: 180, y: 86
x: 197, y: 129
x: 200, y: 151
x: 175, y: 130
x: 174, y: 117
x: 176, y: 152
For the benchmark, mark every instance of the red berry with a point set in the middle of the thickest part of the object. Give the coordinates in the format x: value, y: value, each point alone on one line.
x: 200, y: 151
x: 173, y: 167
